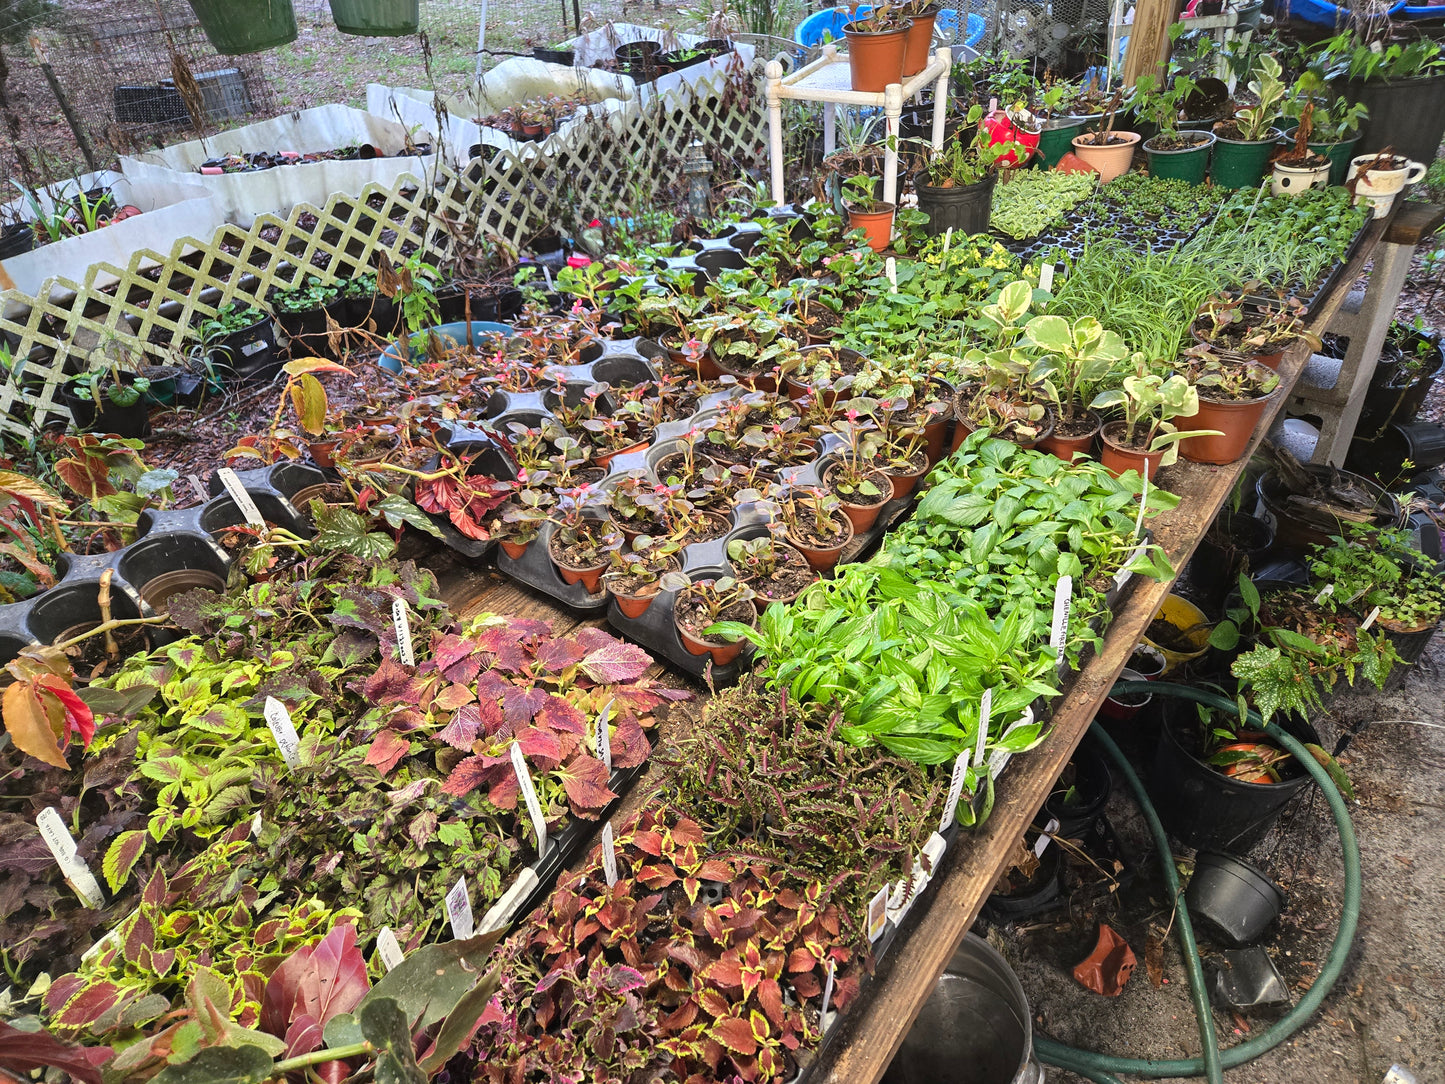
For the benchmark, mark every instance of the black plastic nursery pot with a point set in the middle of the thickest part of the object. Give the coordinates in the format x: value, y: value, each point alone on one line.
x: 1203, y: 807
x: 566, y: 57
x: 963, y: 208
x: 1233, y: 539
x: 124, y: 421
x: 1406, y: 114
x: 1420, y: 444
x: 1393, y: 396
x: 249, y: 354
x: 377, y: 309
x: 306, y: 331
x: 1234, y: 899
x: 1092, y: 785
x: 16, y: 240
x: 1298, y: 527
x: 1041, y: 893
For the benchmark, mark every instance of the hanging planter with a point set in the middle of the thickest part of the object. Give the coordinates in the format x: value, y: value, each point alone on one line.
x: 234, y: 27
x: 376, y: 18
x: 1187, y: 163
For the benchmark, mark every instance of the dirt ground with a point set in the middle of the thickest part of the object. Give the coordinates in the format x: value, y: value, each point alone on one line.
x: 1389, y: 1005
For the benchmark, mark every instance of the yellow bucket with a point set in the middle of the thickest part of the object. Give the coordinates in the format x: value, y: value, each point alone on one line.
x: 1183, y: 615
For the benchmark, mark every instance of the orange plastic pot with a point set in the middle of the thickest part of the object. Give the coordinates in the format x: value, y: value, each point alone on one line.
x: 1069, y: 448
x: 919, y: 43
x: 876, y: 57
x: 634, y: 606
x: 1235, y: 420
x: 1119, y: 458
x: 878, y: 225
x: 514, y: 550
x: 821, y: 560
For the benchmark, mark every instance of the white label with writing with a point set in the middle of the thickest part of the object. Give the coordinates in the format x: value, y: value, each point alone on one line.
x: 604, y: 739
x: 890, y: 268
x: 254, y: 347
x: 1042, y: 843
x: 878, y: 914
x: 243, y: 499
x: 284, y: 731
x: 1370, y: 619
x: 388, y: 948
x: 828, y: 982
x: 403, y: 632
x: 256, y: 825
x: 1325, y: 592
x: 529, y: 795
x: 1063, y: 595
x: 72, y: 866
x: 200, y: 487
x: 1046, y: 277
x: 985, y: 712
x: 609, y: 855
x: 459, y: 910
x: 1143, y: 505
x: 955, y: 790
x: 1122, y: 576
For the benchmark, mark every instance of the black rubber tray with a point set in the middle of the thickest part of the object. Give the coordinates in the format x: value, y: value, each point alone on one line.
x: 1328, y: 284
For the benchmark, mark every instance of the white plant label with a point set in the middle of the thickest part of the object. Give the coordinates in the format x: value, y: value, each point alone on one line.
x: 604, y: 739
x: 1325, y: 592
x: 828, y: 986
x: 403, y: 632
x: 1370, y: 619
x: 947, y: 240
x: 1042, y: 843
x: 1046, y: 277
x: 1063, y: 601
x: 459, y: 910
x: 529, y: 795
x: 256, y: 825
x: 284, y: 731
x: 243, y: 499
x: 878, y: 914
x: 1143, y: 503
x: 1122, y: 576
x: 388, y: 948
x: 999, y: 758
x: 890, y: 268
x: 72, y: 866
x: 955, y: 790
x: 609, y: 855
x: 985, y: 711
x: 200, y: 487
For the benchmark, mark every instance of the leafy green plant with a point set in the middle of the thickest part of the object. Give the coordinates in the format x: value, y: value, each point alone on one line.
x: 229, y: 319
x: 1075, y: 360
x: 1149, y: 402
x: 1027, y: 201
x: 308, y: 295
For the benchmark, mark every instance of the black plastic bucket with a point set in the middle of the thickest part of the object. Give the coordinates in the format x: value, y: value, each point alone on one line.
x: 1231, y: 540
x: 1406, y: 114
x: 1234, y: 899
x: 963, y: 208
x: 1422, y: 444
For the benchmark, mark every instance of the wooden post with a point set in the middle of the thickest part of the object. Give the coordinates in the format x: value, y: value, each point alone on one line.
x: 1149, y: 42
x: 75, y: 126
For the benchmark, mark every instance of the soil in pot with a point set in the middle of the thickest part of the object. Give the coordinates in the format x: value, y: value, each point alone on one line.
x: 159, y: 591
x: 787, y: 583
x: 861, y: 509
x: 88, y: 658
x: 578, y: 562
x: 1026, y: 887
x: 904, y: 478
x: 713, y: 526
x: 1120, y: 456
x: 1070, y: 439
x: 822, y: 552
x: 634, y: 594
x: 692, y: 617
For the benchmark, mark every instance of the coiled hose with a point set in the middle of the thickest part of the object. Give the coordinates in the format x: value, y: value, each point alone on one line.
x: 1102, y: 1067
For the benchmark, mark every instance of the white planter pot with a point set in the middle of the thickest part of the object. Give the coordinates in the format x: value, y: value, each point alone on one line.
x: 1292, y: 180
x: 244, y: 196
x: 1379, y: 187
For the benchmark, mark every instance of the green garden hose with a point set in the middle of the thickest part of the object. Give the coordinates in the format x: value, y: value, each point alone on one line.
x: 1101, y: 1067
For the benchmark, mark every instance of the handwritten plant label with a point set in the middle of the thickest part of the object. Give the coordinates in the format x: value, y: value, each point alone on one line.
x: 529, y: 795
x: 67, y: 857
x: 1325, y: 592
x: 1063, y: 596
x: 388, y: 948
x: 1122, y: 576
x: 609, y: 855
x: 828, y: 984
x: 604, y: 739
x: 878, y: 914
x: 985, y: 712
x: 459, y: 910
x: 955, y: 790
x: 284, y: 731
x: 243, y: 499
x: 403, y: 632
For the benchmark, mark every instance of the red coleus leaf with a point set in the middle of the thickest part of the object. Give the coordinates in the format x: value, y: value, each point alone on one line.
x: 476, y: 771
x: 505, y: 790
x: 23, y: 1051
x: 630, y: 746
x: 560, y: 653
x: 726, y: 972
x: 392, y: 683
x: 683, y: 1017
x: 648, y: 842
x: 387, y: 749
x: 807, y: 984
x: 801, y: 959
x: 714, y: 1004
x: 770, y: 997
x: 505, y: 642
x: 616, y: 662
x: 736, y: 1034
x: 845, y: 991
x: 313, y: 984
x: 89, y: 1005
x: 519, y: 706
x: 539, y: 744
x: 560, y: 714
x: 715, y: 869
x: 466, y: 724
x: 585, y: 781
x: 456, y: 657
x: 453, y: 697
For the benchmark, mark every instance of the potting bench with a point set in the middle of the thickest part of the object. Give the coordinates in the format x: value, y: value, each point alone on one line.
x: 827, y: 80
x: 873, y: 1029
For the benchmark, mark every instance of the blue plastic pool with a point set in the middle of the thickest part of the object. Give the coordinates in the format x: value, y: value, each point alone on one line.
x: 390, y: 360
x: 830, y: 22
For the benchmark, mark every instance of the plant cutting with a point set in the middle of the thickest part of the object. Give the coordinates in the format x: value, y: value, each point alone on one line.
x: 707, y: 611
x: 1076, y: 359
x: 1334, y: 122
x: 1232, y: 326
x: 873, y: 216
x: 517, y: 522
x: 1232, y: 397
x: 878, y: 46
x: 813, y: 521
x: 582, y: 540
x: 772, y: 569
x: 861, y: 488
x: 1244, y: 145
x: 1300, y: 167
x: 635, y: 576
x: 1172, y: 153
x: 1146, y: 438
x: 902, y: 453
x: 1030, y: 200
x: 748, y: 345
x: 1107, y: 151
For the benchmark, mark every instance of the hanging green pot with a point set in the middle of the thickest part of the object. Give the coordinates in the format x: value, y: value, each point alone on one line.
x: 377, y: 18
x: 1184, y: 164
x: 246, y: 26
x: 1240, y: 163
x: 1056, y: 140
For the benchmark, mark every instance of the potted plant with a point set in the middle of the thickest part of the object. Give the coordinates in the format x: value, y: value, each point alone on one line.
x: 774, y: 570
x: 1232, y: 397
x: 582, y: 538
x: 748, y: 345
x: 518, y: 521
x: 107, y: 400
x: 918, y: 47
x: 1244, y: 145
x: 862, y: 489
x: 1229, y: 325
x: 1146, y: 438
x: 702, y: 604
x: 1173, y: 154
x: 240, y: 342
x: 902, y: 454
x: 635, y: 576
x: 1056, y: 103
x: 1108, y: 151
x: 878, y: 46
x: 1299, y: 167
x: 1075, y: 360
x: 873, y: 216
x: 1401, y: 85
x: 1377, y: 179
x: 812, y: 521
x: 370, y: 310
x: 1335, y: 124
x: 306, y: 313
x: 955, y: 187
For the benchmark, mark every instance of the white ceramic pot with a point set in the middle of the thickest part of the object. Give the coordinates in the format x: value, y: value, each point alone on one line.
x: 1292, y: 180
x: 1379, y: 187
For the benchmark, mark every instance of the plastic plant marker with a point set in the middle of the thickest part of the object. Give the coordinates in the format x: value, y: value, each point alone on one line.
x: 604, y: 739
x: 388, y: 948
x: 609, y: 855
x: 955, y: 790
x: 529, y: 794
x: 403, y: 632
x: 828, y: 988
x: 77, y: 874
x: 284, y: 731
x: 459, y: 910
x: 243, y: 499
x: 878, y: 913
x: 1059, y: 632
x: 1108, y: 967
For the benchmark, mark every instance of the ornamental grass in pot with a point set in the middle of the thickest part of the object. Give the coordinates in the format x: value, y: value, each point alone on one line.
x: 1232, y: 396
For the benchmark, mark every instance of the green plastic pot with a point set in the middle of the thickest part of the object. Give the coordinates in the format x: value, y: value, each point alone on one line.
x: 234, y: 27
x: 1339, y: 155
x: 1239, y: 163
x: 1057, y: 141
x: 1187, y: 164
x: 377, y: 18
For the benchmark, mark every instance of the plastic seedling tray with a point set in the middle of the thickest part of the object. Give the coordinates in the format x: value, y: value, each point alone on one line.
x: 1326, y: 285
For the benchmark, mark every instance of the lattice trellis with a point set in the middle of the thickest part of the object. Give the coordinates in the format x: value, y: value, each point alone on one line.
x: 616, y: 167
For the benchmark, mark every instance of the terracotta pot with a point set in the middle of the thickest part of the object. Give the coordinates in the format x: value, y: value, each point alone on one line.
x: 590, y: 576
x: 1269, y: 361
x: 876, y: 58
x: 705, y: 366
x: 962, y: 427
x: 1119, y: 458
x: 1068, y: 448
x: 323, y: 452
x: 878, y: 225
x: 862, y: 516
x: 633, y: 606
x: 1236, y: 420
x: 722, y: 654
x: 1111, y: 161
x: 918, y: 43
x: 514, y: 550
x: 903, y: 484
x: 821, y: 560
